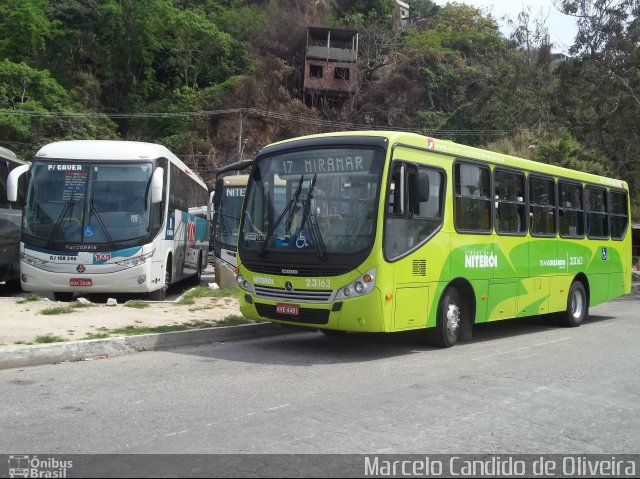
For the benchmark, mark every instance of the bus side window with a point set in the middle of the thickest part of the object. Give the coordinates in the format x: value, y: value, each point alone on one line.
x: 422, y: 216
x: 395, y: 190
x: 618, y: 214
x: 543, y: 206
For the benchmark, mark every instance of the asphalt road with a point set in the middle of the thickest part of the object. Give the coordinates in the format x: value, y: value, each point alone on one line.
x: 518, y: 387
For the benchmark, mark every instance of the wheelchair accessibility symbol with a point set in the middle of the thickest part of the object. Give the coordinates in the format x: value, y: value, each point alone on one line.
x: 604, y: 254
x: 89, y: 231
x: 301, y: 241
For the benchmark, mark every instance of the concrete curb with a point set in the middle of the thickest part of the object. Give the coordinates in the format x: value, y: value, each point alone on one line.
x: 23, y: 356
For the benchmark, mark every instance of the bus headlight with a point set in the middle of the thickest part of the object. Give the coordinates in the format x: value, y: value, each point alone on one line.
x: 361, y: 286
x: 136, y: 260
x: 31, y: 260
x: 244, y: 284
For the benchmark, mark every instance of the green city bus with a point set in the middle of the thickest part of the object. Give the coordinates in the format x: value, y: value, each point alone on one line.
x: 392, y: 231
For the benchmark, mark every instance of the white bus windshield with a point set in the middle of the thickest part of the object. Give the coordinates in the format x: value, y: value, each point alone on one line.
x: 318, y: 201
x: 80, y: 202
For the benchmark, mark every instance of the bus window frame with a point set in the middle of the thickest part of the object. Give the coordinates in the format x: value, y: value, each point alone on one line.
x: 526, y: 204
x: 608, y: 214
x: 628, y: 215
x: 481, y: 164
x: 570, y: 181
x: 555, y: 205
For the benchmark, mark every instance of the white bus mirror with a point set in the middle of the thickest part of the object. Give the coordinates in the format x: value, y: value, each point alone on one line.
x: 157, y: 183
x: 12, y: 182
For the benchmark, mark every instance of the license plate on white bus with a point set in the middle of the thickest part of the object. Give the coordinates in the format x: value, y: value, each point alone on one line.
x: 288, y: 309
x: 80, y: 282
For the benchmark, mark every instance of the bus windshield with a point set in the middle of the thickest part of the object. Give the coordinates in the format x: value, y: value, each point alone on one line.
x: 319, y: 201
x: 79, y: 202
x: 228, y: 217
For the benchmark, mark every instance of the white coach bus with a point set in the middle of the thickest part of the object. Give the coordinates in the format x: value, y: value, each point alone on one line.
x: 111, y: 217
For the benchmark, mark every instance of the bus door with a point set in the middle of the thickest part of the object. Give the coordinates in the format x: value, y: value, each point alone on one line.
x: 414, y: 216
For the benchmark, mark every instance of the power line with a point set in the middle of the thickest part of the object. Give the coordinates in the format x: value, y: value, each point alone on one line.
x: 336, y: 125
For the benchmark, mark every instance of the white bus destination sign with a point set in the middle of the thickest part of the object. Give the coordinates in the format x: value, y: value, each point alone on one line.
x: 328, y: 162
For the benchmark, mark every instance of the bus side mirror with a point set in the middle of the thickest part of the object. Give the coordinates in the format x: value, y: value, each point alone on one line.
x: 157, y: 183
x: 12, y: 182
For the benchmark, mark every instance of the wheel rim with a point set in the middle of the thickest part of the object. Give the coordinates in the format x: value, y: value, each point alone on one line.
x: 577, y: 304
x: 453, y: 319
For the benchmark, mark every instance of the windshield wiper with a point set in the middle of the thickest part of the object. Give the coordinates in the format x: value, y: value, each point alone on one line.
x: 316, y: 234
x: 92, y: 207
x: 289, y: 208
x: 58, y: 224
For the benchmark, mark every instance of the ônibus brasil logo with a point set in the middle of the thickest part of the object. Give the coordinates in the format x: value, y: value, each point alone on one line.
x: 33, y: 466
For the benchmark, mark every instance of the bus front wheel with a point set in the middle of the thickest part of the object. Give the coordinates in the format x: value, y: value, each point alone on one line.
x: 577, y: 306
x: 449, y: 321
x: 161, y: 294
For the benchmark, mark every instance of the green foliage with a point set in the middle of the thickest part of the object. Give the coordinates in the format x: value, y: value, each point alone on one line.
x: 29, y: 298
x: 562, y: 149
x: 202, y: 292
x: 422, y: 8
x: 48, y: 338
x: 136, y: 304
x: 26, y: 29
x: 382, y: 8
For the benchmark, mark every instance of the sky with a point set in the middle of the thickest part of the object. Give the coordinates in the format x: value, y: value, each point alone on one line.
x: 562, y: 28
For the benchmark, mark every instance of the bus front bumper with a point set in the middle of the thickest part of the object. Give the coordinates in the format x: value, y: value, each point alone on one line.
x: 361, y: 314
x: 137, y: 279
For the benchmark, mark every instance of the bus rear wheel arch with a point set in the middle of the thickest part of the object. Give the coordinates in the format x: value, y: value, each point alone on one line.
x: 577, y: 304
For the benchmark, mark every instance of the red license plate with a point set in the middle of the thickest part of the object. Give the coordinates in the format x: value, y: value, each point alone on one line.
x: 80, y: 282
x: 288, y: 309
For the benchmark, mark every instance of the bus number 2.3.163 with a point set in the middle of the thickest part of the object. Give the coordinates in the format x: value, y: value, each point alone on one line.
x: 318, y: 283
x: 576, y: 260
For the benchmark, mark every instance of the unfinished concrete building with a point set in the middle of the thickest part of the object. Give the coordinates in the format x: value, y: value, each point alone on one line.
x: 330, y: 69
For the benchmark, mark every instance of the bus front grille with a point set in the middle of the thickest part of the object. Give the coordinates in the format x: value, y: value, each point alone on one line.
x: 301, y: 295
x: 307, y: 315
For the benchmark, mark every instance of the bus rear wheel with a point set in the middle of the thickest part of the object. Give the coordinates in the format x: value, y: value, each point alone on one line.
x: 449, y: 321
x: 196, y: 278
x: 577, y: 306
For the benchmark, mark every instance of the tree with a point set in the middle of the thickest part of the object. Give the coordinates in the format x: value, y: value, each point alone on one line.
x: 25, y: 30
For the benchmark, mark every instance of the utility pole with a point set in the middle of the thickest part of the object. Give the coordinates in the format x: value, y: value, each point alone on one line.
x: 240, y: 133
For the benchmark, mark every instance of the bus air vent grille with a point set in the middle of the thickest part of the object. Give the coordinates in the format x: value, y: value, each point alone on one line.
x: 419, y: 267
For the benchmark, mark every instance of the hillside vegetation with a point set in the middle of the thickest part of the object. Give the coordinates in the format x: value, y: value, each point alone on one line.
x: 186, y: 73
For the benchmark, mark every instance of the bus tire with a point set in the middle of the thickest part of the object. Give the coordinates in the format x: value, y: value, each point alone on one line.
x: 577, y: 306
x: 161, y: 294
x: 63, y: 296
x: 195, y: 279
x: 449, y: 320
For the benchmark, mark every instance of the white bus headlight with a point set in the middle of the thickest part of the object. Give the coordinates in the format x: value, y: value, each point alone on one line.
x: 136, y: 260
x: 31, y: 260
x: 361, y: 286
